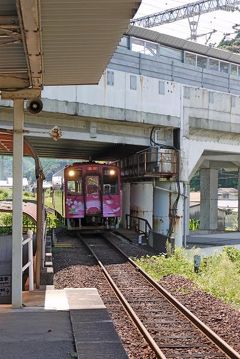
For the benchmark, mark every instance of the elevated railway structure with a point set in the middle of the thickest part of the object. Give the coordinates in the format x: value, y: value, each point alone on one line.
x: 158, y: 92
x: 159, y: 97
x: 37, y: 40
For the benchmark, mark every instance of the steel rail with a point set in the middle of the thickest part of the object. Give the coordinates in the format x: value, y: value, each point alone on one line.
x: 209, y: 333
x: 128, y: 308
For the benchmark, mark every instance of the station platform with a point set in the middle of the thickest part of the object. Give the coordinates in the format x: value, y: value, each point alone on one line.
x: 129, y: 234
x: 207, y: 244
x: 202, y: 239
x: 63, y: 324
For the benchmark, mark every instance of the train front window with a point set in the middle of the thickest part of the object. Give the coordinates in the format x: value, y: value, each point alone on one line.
x: 110, y: 181
x: 74, y: 187
x: 92, y: 184
x: 74, y: 181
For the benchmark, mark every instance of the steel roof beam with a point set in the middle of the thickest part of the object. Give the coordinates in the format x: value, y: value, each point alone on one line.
x: 14, y: 80
x: 29, y: 17
x: 9, y: 21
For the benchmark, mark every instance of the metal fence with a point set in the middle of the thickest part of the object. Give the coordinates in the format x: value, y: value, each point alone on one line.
x: 152, y: 162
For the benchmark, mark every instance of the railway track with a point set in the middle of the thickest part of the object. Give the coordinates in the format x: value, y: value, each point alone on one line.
x: 170, y: 329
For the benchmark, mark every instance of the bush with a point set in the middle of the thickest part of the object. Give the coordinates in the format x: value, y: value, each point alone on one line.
x: 6, y: 220
x: 159, y: 266
x: 220, y: 277
x: 52, y: 221
x: 219, y: 274
x: 3, y: 195
x: 232, y: 253
x: 194, y: 224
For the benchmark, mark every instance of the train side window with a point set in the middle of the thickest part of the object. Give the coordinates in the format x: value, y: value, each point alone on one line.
x: 110, y: 181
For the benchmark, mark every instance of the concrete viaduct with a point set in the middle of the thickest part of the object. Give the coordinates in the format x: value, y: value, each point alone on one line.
x: 156, y: 89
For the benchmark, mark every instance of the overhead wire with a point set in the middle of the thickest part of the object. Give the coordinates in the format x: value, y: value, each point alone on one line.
x: 168, y: 28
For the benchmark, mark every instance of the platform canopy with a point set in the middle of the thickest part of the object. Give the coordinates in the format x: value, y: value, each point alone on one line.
x: 59, y: 42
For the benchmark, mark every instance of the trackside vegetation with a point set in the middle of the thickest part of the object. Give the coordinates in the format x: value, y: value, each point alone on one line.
x: 6, y: 218
x: 218, y: 275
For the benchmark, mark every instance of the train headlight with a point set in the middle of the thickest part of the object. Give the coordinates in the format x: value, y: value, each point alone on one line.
x: 112, y: 172
x: 71, y: 173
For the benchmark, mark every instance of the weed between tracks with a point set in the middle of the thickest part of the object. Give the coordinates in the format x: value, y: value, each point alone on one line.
x: 218, y: 275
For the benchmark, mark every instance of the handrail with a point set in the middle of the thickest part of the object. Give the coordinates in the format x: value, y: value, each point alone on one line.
x: 44, y: 242
x: 147, y: 226
x: 29, y: 264
x: 151, y: 162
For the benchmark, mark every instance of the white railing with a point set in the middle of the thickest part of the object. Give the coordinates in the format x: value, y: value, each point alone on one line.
x: 29, y: 264
x: 44, y: 243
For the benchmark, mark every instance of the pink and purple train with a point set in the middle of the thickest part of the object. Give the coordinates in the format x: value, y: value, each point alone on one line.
x: 88, y: 195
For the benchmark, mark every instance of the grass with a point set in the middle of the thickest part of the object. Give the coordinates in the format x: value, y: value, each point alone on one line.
x: 218, y: 275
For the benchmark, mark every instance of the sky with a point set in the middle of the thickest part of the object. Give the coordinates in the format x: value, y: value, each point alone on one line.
x: 222, y: 21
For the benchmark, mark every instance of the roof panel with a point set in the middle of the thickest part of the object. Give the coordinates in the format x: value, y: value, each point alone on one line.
x: 13, y: 57
x: 13, y: 66
x: 8, y: 7
x: 79, y: 37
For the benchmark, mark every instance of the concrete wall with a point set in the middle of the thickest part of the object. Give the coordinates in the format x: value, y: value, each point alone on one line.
x: 145, y: 98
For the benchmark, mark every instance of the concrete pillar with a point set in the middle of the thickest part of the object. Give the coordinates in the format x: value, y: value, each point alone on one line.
x: 208, y: 198
x: 167, y: 196
x: 18, y: 125
x: 186, y: 206
x: 161, y: 200
x: 125, y: 202
x: 181, y: 220
x: 141, y: 201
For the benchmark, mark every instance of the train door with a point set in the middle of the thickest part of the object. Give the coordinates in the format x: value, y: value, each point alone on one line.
x: 74, y: 195
x: 111, y: 193
x: 93, y: 195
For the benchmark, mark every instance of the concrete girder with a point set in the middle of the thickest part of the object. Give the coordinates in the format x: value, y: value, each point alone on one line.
x: 204, y: 151
x: 220, y: 164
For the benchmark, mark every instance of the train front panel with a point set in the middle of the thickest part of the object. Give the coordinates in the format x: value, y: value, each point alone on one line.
x: 91, y: 194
